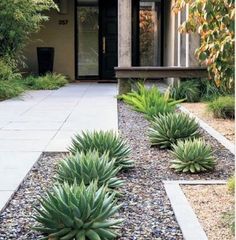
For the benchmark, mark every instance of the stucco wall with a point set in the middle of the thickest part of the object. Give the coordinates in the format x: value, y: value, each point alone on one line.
x: 61, y: 37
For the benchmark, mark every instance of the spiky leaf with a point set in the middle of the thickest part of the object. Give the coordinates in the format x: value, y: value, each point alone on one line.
x: 103, y: 142
x: 95, y: 206
x: 192, y: 156
x: 150, y: 101
x: 88, y: 167
x: 168, y: 129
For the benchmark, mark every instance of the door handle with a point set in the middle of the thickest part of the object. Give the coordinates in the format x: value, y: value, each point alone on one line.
x: 104, y: 45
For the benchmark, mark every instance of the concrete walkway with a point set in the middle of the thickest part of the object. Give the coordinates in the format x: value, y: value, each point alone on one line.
x: 45, y: 121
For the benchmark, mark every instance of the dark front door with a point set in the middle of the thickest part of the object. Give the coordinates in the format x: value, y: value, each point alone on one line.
x: 96, y: 39
x: 109, y: 38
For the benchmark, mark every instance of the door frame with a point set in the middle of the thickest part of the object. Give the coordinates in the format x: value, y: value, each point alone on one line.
x: 100, y: 43
x: 135, y: 38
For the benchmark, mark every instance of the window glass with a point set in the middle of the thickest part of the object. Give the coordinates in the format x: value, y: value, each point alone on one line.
x: 149, y: 30
x: 88, y: 38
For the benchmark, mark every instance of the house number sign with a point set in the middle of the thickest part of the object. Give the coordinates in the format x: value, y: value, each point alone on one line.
x: 63, y: 22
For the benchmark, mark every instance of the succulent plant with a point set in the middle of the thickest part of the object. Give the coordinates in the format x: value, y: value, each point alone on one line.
x: 88, y: 167
x: 150, y: 101
x: 77, y: 212
x: 192, y: 156
x: 103, y: 142
x: 168, y: 129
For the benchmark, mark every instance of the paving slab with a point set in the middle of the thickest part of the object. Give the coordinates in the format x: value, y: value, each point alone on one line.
x: 42, y: 121
x: 29, y: 135
x: 185, y: 216
x: 34, y: 125
x: 4, y: 197
x: 3, y: 123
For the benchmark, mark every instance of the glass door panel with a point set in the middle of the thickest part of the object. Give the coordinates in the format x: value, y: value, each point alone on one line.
x: 88, y: 38
x: 149, y: 33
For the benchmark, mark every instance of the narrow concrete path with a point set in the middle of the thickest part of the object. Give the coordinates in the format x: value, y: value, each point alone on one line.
x: 45, y: 121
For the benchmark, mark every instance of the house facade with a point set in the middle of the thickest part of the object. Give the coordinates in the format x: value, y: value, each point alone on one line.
x: 91, y: 37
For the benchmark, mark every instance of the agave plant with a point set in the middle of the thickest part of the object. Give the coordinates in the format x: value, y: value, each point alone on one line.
x: 150, y: 101
x: 88, y: 167
x: 78, y: 212
x: 192, y: 156
x: 168, y: 129
x: 103, y: 142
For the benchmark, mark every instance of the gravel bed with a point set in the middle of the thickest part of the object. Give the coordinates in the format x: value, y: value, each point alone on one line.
x: 147, y: 211
x: 16, y: 220
x: 206, y: 200
x: 224, y: 126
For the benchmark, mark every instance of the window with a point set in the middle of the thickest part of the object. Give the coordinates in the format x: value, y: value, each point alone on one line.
x: 150, y: 33
x: 88, y: 37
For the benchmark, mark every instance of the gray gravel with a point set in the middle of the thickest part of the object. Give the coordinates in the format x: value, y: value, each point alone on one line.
x: 16, y: 220
x: 147, y: 211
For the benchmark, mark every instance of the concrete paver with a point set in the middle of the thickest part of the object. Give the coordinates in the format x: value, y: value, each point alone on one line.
x: 42, y: 121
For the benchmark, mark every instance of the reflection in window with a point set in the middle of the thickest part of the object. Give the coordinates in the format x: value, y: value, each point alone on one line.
x: 149, y: 28
x: 88, y: 38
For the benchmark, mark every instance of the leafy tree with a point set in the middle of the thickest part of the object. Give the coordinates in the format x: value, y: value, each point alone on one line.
x: 214, y: 21
x: 19, y: 19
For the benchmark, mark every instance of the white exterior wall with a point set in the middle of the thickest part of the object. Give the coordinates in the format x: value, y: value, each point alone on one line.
x: 61, y: 37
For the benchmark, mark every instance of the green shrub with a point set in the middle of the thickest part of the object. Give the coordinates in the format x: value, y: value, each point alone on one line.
x: 188, y: 90
x: 150, y: 102
x: 229, y: 219
x: 10, y: 85
x: 209, y: 90
x: 231, y: 184
x: 223, y: 107
x: 229, y: 216
x: 103, y: 142
x: 168, y: 129
x: 10, y: 89
x: 192, y: 156
x: 77, y: 212
x: 18, y: 20
x: 89, y: 167
x: 50, y: 81
x: 6, y: 71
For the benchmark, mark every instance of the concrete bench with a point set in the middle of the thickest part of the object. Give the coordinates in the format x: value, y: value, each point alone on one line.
x: 125, y: 73
x: 160, y: 72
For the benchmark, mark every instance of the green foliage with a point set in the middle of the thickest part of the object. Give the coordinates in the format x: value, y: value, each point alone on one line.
x: 103, y: 142
x: 192, y: 156
x: 89, y: 167
x: 168, y: 129
x: 229, y: 219
x: 150, y: 101
x: 78, y: 212
x: 10, y: 89
x: 229, y: 216
x: 231, y: 184
x: 50, y: 81
x: 209, y: 90
x: 223, y: 107
x: 18, y: 20
x: 9, y: 82
x: 195, y: 90
x: 214, y: 21
x: 188, y: 90
x: 6, y: 71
